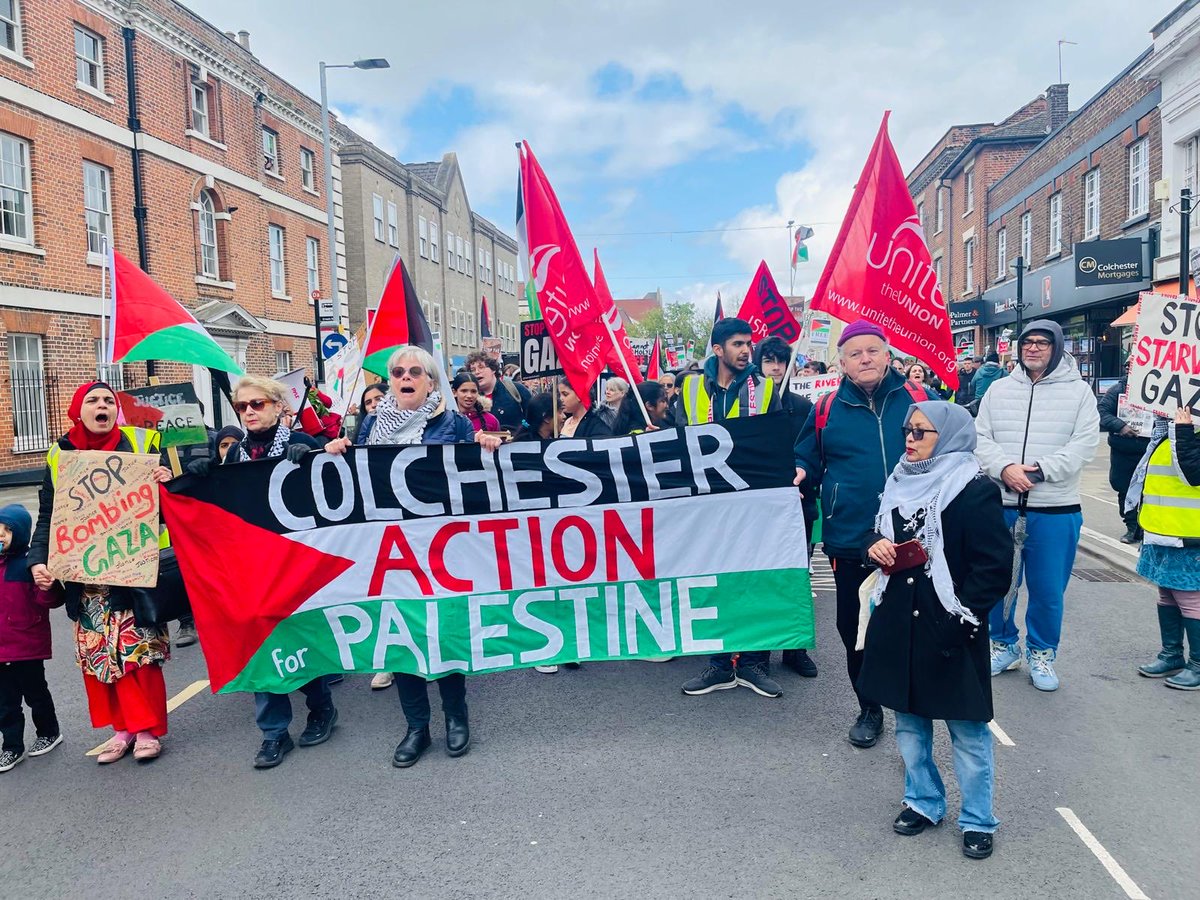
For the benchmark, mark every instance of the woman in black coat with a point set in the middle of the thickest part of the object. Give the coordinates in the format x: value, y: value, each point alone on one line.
x: 940, y: 533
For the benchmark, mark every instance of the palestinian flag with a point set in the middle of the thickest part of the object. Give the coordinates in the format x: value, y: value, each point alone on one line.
x: 399, y: 320
x: 532, y: 308
x: 800, y: 250
x: 382, y: 561
x: 148, y: 323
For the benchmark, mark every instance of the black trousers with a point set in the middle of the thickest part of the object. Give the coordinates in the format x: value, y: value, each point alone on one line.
x: 1120, y: 472
x: 848, y: 576
x: 414, y: 697
x: 25, y: 681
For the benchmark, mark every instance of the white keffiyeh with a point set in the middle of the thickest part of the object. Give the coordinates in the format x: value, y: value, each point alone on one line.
x: 394, y: 425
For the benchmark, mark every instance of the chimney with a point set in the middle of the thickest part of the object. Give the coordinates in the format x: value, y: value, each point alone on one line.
x: 231, y: 35
x: 243, y: 38
x: 1056, y: 105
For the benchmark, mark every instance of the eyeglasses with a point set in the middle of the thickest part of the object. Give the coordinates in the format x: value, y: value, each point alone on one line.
x: 918, y: 434
x: 1039, y: 343
x: 414, y: 371
x: 258, y: 405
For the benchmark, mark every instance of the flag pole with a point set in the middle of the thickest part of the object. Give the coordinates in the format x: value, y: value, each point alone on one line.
x: 104, y: 357
x: 628, y: 374
x: 367, y: 343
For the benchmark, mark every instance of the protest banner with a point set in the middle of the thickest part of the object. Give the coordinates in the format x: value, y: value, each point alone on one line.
x: 1139, y: 420
x: 819, y: 332
x: 295, y: 391
x: 342, y: 375
x: 765, y: 309
x: 493, y: 347
x: 813, y: 386
x: 642, y: 350
x: 431, y: 559
x: 104, y: 524
x: 1164, y: 369
x: 171, y: 409
x: 538, y: 357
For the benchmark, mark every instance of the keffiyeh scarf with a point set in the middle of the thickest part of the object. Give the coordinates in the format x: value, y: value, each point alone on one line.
x: 278, y: 447
x: 394, y: 425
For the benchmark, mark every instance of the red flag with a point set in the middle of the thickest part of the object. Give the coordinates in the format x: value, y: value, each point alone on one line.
x: 564, y: 291
x: 892, y: 284
x: 485, y: 319
x: 398, y: 320
x: 766, y: 309
x: 654, y: 369
x: 621, y: 339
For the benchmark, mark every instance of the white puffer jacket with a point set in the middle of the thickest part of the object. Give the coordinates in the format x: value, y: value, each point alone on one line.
x: 1053, y: 423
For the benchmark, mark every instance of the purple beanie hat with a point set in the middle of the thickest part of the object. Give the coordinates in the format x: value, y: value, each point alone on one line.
x: 859, y: 329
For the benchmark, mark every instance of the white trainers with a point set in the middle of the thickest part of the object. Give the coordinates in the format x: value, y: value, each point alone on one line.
x: 546, y: 670
x: 382, y: 681
x: 1041, y: 669
x: 1005, y: 657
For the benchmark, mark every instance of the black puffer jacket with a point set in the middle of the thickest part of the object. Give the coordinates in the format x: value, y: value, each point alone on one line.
x: 919, y: 658
x: 1107, y: 407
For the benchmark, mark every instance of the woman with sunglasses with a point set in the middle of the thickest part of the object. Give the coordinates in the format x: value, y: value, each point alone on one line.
x: 259, y: 403
x: 121, y: 662
x: 946, y: 558
x: 413, y: 412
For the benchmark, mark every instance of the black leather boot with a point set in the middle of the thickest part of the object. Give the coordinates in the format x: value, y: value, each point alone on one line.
x: 409, y: 750
x: 458, y: 735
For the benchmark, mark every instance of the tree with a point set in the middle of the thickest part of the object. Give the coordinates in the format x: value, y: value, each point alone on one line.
x: 680, y: 320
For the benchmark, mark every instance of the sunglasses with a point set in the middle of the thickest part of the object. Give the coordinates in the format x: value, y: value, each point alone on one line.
x: 918, y: 434
x: 258, y: 405
x: 414, y: 371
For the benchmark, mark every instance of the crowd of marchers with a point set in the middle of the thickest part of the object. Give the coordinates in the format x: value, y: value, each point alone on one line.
x: 935, y: 507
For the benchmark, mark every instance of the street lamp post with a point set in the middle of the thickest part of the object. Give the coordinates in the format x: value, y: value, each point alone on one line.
x: 331, y: 238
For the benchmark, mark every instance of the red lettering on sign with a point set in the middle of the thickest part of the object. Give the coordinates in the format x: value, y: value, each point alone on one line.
x: 499, y: 529
x: 616, y: 533
x: 437, y: 561
x: 589, y: 548
x: 394, y: 539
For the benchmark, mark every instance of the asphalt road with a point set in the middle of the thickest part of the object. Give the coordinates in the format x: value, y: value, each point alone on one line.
x: 607, y: 781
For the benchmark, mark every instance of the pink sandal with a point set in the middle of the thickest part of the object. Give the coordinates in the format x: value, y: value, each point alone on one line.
x: 147, y: 750
x: 114, y: 750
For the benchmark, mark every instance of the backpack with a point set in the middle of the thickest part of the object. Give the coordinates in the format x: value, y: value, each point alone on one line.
x: 824, y: 405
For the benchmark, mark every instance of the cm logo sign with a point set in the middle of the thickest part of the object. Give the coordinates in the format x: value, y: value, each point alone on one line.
x: 1087, y: 265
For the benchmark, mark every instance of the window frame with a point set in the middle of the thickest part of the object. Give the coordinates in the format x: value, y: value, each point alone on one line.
x: 278, y: 279
x: 435, y: 250
x: 470, y: 261
x: 34, y: 394
x: 312, y: 263
x: 449, y: 249
x: 1002, y: 254
x: 1091, y: 204
x: 308, y: 173
x: 459, y: 265
x: 969, y: 265
x: 24, y: 193
x: 283, y: 361
x: 1139, y: 177
x: 96, y: 65
x: 921, y: 214
x: 423, y: 237
x: 105, y: 213
x: 13, y: 25
x: 201, y: 118
x: 206, y: 198
x: 273, y: 156
x: 939, y: 220
x: 393, y: 224
x: 377, y: 217
x: 1054, y: 223
x: 1027, y: 237
x: 970, y: 185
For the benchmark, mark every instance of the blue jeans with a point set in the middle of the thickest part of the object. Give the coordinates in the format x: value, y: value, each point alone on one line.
x: 724, y: 661
x: 973, y: 763
x: 273, y: 712
x: 1046, y: 561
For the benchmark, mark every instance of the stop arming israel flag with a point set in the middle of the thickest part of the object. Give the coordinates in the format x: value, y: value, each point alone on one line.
x: 437, y: 559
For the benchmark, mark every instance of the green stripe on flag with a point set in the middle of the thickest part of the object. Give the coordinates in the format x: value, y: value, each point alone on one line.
x: 183, y: 343
x: 730, y: 612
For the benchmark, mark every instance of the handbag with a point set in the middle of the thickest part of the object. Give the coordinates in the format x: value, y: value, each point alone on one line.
x: 166, y: 601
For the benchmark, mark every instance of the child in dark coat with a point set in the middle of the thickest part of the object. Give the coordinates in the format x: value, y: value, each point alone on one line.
x: 24, y: 644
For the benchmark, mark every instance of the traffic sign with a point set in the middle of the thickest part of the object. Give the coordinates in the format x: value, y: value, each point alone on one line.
x: 326, y: 309
x: 332, y: 342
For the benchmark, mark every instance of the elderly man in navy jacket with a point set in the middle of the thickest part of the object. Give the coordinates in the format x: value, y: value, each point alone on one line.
x: 847, y: 448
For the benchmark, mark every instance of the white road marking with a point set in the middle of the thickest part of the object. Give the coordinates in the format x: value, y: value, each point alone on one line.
x: 1000, y: 734
x: 172, y: 704
x: 1101, y: 499
x: 1108, y: 542
x: 1106, y: 859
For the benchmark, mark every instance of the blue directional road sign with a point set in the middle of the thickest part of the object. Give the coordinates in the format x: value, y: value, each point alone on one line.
x: 332, y: 342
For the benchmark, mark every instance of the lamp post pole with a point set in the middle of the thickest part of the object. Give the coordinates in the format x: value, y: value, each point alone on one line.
x: 1185, y: 228
x: 330, y: 220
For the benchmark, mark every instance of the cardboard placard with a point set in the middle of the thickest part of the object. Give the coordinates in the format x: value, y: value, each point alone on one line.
x: 538, y: 356
x: 1138, y: 419
x: 813, y: 386
x: 104, y: 526
x: 172, y: 409
x: 1164, y: 368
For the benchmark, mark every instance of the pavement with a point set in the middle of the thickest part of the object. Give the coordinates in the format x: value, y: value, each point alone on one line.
x: 1102, y: 523
x: 607, y: 782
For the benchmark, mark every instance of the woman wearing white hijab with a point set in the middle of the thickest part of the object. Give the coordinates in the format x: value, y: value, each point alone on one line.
x: 941, y: 533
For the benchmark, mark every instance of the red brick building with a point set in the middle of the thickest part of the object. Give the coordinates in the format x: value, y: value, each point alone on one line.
x: 212, y: 180
x: 1091, y: 179
x: 950, y: 188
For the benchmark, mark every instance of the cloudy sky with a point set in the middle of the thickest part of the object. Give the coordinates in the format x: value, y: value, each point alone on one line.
x: 682, y: 136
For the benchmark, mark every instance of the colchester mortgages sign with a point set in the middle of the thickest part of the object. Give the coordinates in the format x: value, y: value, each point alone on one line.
x: 437, y: 559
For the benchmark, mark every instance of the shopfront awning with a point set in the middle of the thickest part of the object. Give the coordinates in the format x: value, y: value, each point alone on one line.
x: 1129, y: 317
x: 1171, y: 288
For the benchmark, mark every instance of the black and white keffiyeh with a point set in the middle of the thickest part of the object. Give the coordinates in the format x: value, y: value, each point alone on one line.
x: 279, y: 444
x: 394, y: 425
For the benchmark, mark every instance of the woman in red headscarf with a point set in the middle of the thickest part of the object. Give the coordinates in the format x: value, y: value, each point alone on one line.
x: 121, y: 662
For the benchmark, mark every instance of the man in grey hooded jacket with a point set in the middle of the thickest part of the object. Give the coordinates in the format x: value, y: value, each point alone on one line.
x: 1037, y: 429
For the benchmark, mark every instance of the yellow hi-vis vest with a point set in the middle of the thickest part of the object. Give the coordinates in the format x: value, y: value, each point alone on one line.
x: 143, y: 440
x: 697, y: 402
x: 1170, y: 506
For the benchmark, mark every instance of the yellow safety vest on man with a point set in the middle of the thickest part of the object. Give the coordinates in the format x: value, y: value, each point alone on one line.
x: 1170, y: 506
x: 697, y: 401
x: 143, y: 440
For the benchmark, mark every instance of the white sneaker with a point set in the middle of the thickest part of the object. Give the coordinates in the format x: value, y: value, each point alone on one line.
x: 546, y: 670
x: 382, y: 681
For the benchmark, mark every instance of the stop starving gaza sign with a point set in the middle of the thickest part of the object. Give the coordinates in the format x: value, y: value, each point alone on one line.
x: 438, y: 559
x: 1164, y: 366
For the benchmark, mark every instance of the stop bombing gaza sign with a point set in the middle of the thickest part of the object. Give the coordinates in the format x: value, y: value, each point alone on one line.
x: 1164, y: 367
